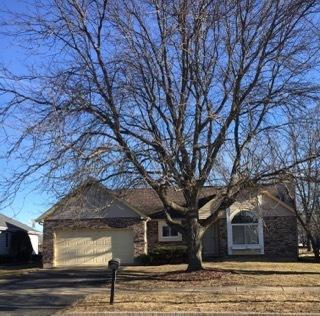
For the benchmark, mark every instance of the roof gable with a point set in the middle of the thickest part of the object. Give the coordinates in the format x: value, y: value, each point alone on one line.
x: 268, y: 200
x: 90, y: 201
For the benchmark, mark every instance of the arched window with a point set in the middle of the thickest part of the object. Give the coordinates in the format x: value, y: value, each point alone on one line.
x: 245, y: 232
x: 245, y: 229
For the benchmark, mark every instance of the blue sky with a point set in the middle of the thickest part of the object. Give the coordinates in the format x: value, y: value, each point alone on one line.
x: 30, y: 202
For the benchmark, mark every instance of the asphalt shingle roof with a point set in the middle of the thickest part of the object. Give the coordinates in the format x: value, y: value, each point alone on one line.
x: 148, y: 202
x: 142, y: 200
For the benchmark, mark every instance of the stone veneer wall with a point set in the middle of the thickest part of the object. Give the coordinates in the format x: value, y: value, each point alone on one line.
x: 280, y: 237
x: 153, y: 237
x: 51, y: 226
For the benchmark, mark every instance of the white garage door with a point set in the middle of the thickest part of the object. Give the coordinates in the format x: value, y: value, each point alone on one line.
x: 88, y: 247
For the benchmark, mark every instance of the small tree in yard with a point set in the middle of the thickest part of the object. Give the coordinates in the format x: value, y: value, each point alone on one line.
x: 165, y: 94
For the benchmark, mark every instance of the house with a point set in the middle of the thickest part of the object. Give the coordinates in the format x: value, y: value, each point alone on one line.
x: 93, y: 224
x: 8, y: 226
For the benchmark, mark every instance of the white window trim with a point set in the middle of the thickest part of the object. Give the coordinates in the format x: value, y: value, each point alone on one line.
x: 232, y: 246
x: 145, y: 238
x: 167, y: 238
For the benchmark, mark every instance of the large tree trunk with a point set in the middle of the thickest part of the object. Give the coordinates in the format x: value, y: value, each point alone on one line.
x: 194, y: 240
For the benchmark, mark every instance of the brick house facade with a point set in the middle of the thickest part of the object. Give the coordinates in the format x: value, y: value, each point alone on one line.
x: 93, y: 224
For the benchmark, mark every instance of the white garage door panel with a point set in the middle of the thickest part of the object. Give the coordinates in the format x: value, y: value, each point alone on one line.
x: 92, y: 247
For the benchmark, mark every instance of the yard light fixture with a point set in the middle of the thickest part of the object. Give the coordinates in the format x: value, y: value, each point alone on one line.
x: 113, y: 265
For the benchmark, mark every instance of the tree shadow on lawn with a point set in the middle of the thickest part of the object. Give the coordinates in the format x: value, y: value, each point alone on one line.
x: 268, y: 272
x: 261, y: 259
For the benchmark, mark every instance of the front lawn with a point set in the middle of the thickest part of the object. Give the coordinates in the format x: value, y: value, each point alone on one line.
x: 200, y: 302
x: 169, y: 288
x: 227, y: 273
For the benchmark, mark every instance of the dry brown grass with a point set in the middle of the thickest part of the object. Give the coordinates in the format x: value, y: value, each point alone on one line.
x: 230, y: 273
x: 191, y: 302
x: 135, y: 285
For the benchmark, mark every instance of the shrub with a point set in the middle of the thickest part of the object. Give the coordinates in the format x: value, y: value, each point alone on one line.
x: 144, y: 259
x: 164, y: 255
x: 36, y: 258
x: 4, y: 259
x: 20, y: 246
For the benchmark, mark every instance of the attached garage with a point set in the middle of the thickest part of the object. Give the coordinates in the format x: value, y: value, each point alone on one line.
x: 88, y: 247
x: 90, y: 226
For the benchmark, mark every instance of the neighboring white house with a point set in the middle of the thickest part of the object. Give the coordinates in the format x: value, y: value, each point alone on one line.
x: 8, y: 226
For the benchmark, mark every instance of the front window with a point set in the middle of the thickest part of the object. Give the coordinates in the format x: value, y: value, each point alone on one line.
x: 168, y: 233
x: 245, y: 233
x: 245, y: 229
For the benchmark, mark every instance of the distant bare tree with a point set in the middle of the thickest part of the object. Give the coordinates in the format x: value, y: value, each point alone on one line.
x: 305, y: 139
x: 167, y: 94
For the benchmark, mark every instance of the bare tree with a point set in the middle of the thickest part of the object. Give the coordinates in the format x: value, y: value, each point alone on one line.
x: 305, y: 139
x: 167, y: 94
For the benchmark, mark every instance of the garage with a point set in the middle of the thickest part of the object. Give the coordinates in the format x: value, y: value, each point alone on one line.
x: 92, y: 247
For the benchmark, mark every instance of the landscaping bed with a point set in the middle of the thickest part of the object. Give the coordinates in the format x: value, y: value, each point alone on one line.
x: 199, y: 276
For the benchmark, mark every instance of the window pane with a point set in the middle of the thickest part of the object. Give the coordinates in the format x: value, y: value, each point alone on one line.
x: 165, y: 231
x: 173, y: 232
x: 238, y: 235
x: 245, y: 217
x: 251, y: 234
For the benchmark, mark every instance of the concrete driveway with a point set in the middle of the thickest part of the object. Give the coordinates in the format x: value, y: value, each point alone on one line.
x: 44, y: 292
